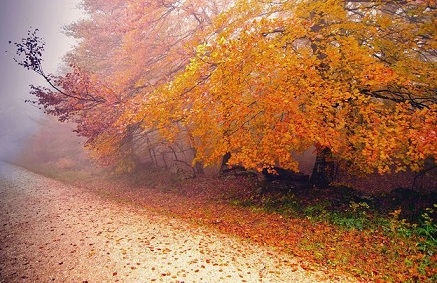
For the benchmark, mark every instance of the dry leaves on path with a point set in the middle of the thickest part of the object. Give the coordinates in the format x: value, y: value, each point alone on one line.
x: 54, y: 232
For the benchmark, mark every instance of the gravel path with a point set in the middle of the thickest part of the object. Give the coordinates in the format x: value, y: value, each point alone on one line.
x: 54, y: 232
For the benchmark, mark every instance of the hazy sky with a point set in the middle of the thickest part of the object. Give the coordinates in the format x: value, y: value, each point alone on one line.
x: 16, y: 18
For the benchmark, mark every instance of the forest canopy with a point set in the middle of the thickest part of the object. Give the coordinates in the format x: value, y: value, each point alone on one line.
x: 261, y: 80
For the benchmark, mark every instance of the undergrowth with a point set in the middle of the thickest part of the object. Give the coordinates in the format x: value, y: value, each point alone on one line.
x: 414, y: 242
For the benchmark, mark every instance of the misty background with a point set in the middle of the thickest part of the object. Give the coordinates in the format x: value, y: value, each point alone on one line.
x: 20, y: 121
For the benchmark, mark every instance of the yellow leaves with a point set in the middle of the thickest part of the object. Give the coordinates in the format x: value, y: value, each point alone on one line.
x: 265, y: 79
x: 393, y: 140
x: 222, y: 41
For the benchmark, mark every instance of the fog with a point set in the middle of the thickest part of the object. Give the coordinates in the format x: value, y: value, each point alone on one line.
x: 19, y: 120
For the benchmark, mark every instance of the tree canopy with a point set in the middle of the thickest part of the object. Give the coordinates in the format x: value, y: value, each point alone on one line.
x: 262, y: 80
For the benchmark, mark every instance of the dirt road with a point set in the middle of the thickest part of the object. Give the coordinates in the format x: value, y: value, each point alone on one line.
x: 55, y: 232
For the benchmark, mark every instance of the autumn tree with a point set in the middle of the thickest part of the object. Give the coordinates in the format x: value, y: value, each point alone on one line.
x: 144, y: 44
x: 273, y: 78
x: 125, y: 49
x: 259, y: 80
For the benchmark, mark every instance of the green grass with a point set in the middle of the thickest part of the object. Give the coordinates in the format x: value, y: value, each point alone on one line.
x: 358, y: 215
x: 420, y: 236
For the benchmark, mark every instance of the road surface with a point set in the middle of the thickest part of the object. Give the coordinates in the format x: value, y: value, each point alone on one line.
x: 52, y: 232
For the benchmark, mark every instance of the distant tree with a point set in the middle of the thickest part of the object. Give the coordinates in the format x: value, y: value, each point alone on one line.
x: 125, y: 49
x: 75, y: 96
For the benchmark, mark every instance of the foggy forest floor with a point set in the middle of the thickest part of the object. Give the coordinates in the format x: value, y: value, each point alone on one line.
x: 338, y: 234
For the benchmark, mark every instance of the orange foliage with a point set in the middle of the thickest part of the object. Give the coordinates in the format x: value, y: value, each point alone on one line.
x: 261, y: 79
x: 277, y: 77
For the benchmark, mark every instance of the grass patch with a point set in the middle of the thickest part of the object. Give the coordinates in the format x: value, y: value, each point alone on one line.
x: 371, y: 242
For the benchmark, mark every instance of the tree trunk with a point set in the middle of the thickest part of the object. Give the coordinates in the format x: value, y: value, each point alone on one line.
x: 324, y: 169
x: 224, y: 166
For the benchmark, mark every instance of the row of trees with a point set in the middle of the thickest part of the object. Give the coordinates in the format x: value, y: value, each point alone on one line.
x: 259, y: 80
